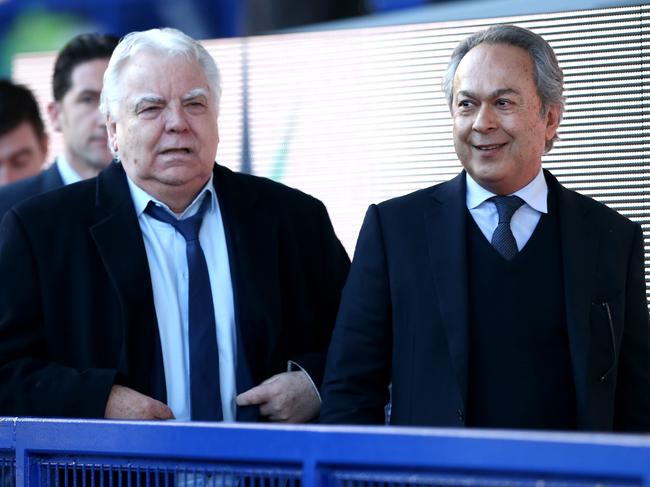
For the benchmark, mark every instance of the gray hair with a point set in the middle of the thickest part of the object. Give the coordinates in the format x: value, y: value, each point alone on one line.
x: 548, y: 74
x: 167, y: 42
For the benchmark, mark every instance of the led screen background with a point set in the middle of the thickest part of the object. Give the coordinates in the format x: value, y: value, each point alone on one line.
x: 357, y: 116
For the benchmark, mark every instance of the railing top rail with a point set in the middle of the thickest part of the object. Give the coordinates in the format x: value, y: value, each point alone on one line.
x: 532, y: 436
x: 373, y: 447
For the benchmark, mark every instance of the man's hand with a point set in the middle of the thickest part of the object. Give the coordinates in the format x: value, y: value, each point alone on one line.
x: 288, y: 397
x: 125, y: 403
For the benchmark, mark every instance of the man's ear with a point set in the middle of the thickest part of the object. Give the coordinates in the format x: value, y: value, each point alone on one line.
x: 552, y: 121
x: 54, y: 111
x: 111, y: 130
x: 45, y: 144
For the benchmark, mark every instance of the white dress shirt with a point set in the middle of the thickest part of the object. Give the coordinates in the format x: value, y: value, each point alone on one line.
x: 68, y: 174
x: 524, y: 220
x: 170, y: 281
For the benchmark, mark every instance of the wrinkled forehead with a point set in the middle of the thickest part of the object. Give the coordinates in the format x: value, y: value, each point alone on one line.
x: 150, y: 75
x: 148, y: 65
x: 495, y: 66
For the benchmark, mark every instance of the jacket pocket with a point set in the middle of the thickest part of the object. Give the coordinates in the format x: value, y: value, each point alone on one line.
x: 604, y: 344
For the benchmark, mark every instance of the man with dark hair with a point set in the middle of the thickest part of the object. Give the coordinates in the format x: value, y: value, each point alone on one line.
x: 76, y: 86
x: 499, y: 299
x: 23, y: 141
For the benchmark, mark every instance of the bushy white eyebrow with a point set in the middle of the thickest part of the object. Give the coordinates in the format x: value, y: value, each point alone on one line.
x: 155, y: 99
x: 195, y: 93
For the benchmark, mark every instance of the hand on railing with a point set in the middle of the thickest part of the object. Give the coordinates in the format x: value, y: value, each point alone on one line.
x: 288, y: 397
x: 125, y: 403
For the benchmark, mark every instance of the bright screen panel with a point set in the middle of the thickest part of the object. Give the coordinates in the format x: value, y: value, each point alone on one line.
x: 357, y: 116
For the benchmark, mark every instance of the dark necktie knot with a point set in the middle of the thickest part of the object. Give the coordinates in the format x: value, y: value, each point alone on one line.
x: 189, y: 227
x: 503, y: 239
x: 506, y: 206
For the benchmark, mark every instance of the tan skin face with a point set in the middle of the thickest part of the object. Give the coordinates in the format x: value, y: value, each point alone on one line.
x: 78, y: 118
x: 22, y: 153
x: 166, y: 131
x: 499, y: 133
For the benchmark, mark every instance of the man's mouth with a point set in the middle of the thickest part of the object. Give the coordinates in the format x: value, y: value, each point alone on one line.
x: 176, y: 150
x: 486, y: 147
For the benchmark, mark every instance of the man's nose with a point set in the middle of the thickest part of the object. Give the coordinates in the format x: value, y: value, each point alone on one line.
x: 485, y: 120
x: 175, y: 119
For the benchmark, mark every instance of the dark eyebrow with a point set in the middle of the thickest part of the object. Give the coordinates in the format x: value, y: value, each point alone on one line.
x: 494, y: 94
x: 503, y: 91
x: 88, y: 92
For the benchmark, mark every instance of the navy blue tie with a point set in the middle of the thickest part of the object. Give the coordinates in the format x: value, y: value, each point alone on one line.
x: 205, y: 394
x: 502, y: 239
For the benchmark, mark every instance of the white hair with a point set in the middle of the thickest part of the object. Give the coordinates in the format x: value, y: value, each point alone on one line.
x: 166, y: 42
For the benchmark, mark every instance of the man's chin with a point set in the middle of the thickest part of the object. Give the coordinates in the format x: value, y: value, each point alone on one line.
x: 99, y: 161
x: 182, y: 178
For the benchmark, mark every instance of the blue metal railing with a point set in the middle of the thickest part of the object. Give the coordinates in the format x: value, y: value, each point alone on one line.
x: 71, y: 453
x: 7, y: 453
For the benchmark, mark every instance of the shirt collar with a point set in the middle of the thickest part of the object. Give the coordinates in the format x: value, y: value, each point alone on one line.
x: 534, y: 194
x: 141, y: 199
x: 68, y: 175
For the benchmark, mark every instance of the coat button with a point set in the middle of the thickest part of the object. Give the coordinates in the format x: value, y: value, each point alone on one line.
x: 461, y: 415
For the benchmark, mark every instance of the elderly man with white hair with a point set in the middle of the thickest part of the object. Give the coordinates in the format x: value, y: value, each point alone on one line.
x: 173, y: 287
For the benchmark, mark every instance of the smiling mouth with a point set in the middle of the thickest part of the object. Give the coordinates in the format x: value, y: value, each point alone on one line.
x: 488, y: 147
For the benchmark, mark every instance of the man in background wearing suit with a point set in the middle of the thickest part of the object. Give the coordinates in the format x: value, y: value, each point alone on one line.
x: 76, y: 85
x: 499, y: 299
x: 23, y: 141
x: 168, y: 286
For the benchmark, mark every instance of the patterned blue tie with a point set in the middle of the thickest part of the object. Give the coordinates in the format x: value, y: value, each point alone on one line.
x: 502, y: 239
x: 205, y: 394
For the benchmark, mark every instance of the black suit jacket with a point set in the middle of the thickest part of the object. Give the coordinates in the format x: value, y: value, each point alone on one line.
x: 42, y: 182
x: 76, y: 304
x: 404, y: 314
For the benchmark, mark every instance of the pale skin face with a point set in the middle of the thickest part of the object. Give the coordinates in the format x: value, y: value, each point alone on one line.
x: 78, y: 118
x: 499, y: 131
x: 166, y: 131
x: 22, y: 153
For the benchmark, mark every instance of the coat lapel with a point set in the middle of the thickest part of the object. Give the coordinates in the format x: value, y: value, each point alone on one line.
x: 579, y: 245
x: 118, y: 238
x: 445, y: 222
x: 253, y: 253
